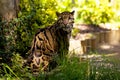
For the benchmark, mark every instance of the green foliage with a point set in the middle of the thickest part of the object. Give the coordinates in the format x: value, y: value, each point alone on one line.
x: 67, y: 69
x: 34, y: 14
x: 71, y: 69
x: 10, y: 73
x: 41, y: 11
x: 93, y: 13
x: 16, y: 36
x: 65, y: 5
x: 7, y: 41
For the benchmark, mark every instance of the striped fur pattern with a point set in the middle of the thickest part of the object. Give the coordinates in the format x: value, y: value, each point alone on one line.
x: 50, y: 41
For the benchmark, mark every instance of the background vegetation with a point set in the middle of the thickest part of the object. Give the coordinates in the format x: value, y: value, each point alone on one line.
x: 36, y: 14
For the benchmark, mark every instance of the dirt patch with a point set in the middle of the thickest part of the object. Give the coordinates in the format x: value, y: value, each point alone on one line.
x: 85, y: 29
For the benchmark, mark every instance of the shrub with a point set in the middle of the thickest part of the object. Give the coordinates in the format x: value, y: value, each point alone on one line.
x: 92, y: 13
x: 34, y: 14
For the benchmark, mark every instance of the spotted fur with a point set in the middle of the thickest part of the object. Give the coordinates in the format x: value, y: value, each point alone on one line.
x: 51, y: 41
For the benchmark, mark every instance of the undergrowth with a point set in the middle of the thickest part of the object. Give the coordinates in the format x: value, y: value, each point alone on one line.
x: 68, y: 69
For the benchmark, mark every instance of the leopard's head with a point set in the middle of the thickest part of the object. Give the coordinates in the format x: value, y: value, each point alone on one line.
x: 66, y: 20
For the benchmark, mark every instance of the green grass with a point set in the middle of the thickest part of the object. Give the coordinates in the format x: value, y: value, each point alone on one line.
x: 68, y: 69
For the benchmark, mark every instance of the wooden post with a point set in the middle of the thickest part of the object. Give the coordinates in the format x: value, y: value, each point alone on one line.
x: 83, y: 45
x: 93, y: 44
x: 107, y: 36
x: 97, y: 36
x: 88, y: 45
x: 114, y: 37
x: 102, y: 37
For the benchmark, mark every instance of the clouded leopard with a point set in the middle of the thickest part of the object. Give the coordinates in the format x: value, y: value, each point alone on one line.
x: 51, y: 41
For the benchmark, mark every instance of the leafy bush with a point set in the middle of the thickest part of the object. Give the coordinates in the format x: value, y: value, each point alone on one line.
x: 92, y: 13
x: 16, y: 36
x: 34, y: 14
x: 7, y: 41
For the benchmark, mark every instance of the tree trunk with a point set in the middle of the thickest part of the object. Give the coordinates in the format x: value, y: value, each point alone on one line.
x: 9, y: 9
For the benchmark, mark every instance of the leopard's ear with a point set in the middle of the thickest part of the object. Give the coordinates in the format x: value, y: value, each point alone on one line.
x: 58, y: 14
x: 72, y: 12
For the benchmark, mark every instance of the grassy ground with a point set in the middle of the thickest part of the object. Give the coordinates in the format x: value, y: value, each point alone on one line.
x: 97, y: 67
